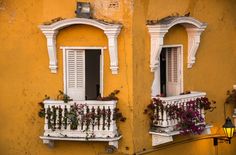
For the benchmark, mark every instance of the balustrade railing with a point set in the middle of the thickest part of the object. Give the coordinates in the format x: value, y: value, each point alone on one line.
x: 163, y: 113
x: 80, y: 119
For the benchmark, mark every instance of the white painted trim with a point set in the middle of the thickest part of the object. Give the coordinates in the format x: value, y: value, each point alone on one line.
x: 88, y: 102
x: 159, y: 138
x: 50, y: 140
x: 182, y: 67
x: 157, y: 32
x: 110, y: 30
x: 193, y: 94
x: 109, y: 134
x: 172, y: 45
x: 102, y: 72
x: 156, y: 89
x: 82, y: 138
x: 82, y: 47
x: 65, y: 48
x: 74, y: 21
x: 156, y: 81
x: 64, y: 70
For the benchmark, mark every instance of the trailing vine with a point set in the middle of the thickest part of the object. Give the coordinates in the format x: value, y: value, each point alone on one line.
x: 189, y: 117
x: 41, y: 112
x: 111, y: 96
x: 64, y: 97
x: 61, y: 96
x: 80, y: 115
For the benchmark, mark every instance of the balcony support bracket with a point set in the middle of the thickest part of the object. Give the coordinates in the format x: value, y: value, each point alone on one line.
x: 50, y: 143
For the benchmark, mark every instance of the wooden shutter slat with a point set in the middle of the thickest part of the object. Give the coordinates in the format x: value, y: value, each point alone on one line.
x: 75, y: 73
x: 172, y: 70
x: 175, y: 64
x: 169, y: 65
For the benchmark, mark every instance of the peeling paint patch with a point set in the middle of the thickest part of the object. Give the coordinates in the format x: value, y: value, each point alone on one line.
x: 114, y: 4
x: 108, y: 9
x: 2, y: 5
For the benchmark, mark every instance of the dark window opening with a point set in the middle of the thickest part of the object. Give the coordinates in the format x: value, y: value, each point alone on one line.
x: 163, y: 72
x: 92, y: 74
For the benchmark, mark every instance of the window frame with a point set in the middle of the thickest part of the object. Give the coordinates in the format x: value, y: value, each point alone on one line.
x: 180, y: 50
x: 65, y: 48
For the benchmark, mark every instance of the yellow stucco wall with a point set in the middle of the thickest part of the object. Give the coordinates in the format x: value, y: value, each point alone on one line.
x: 213, y: 71
x: 25, y: 77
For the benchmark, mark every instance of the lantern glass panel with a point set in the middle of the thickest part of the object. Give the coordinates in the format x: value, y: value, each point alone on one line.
x: 229, y: 132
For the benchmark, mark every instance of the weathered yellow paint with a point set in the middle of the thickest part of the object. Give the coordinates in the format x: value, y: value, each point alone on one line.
x: 213, y: 71
x: 25, y: 77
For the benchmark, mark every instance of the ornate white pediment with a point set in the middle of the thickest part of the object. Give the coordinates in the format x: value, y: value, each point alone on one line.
x: 158, y: 30
x: 111, y: 30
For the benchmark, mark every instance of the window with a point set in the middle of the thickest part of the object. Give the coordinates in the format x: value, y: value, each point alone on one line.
x: 171, y: 71
x: 83, y: 73
x: 157, y: 32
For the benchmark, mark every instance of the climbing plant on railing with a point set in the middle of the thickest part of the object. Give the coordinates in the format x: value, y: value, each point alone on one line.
x: 64, y: 97
x: 41, y: 112
x: 61, y: 96
x: 117, y: 115
x: 80, y: 115
x: 189, y: 115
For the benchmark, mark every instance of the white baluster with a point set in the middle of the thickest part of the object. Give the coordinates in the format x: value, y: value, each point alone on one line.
x: 67, y: 122
x: 57, y: 118
x: 164, y: 122
x: 202, y: 114
x: 90, y: 124
x: 106, y: 121
x: 95, y: 121
x: 160, y: 117
x: 46, y: 120
x: 63, y: 115
x: 171, y: 120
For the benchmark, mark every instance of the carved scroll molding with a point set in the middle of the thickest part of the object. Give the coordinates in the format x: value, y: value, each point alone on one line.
x: 193, y: 44
x: 157, y: 41
x: 158, y: 30
x: 111, y: 30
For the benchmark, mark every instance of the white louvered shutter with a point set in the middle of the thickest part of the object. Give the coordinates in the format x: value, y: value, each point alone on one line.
x: 75, y: 74
x: 173, y: 85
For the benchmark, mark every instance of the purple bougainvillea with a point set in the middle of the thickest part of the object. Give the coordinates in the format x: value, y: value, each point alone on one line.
x: 189, y: 115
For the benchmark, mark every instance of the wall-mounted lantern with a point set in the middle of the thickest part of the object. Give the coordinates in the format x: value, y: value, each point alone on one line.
x: 83, y: 10
x: 229, y: 129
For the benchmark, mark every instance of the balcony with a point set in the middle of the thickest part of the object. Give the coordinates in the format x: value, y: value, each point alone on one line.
x: 165, y: 124
x: 80, y: 121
